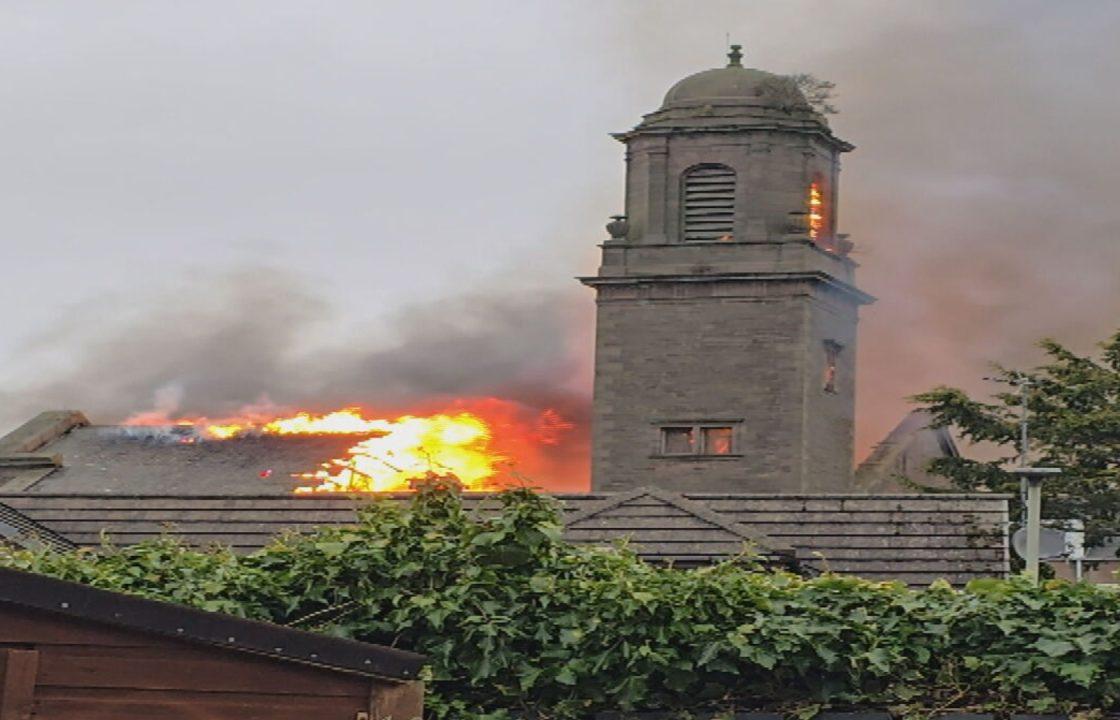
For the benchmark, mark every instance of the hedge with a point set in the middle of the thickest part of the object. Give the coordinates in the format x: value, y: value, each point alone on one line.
x: 519, y: 623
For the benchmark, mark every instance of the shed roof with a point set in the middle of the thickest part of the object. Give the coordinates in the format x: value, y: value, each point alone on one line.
x: 69, y: 599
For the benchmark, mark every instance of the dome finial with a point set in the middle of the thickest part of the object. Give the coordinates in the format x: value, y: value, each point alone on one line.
x: 735, y: 57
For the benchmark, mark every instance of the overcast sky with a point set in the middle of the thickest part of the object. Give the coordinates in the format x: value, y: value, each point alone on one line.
x: 382, y: 200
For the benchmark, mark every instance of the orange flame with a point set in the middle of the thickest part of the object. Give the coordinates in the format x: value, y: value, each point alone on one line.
x: 401, y: 451
x: 816, y: 212
x: 473, y: 442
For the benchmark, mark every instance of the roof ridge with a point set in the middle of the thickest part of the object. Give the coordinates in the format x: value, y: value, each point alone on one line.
x: 707, y: 514
x: 690, y: 507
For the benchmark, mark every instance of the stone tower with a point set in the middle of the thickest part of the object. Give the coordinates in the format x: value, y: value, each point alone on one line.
x: 727, y: 306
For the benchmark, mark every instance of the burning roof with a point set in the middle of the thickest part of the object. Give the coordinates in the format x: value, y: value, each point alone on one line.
x: 486, y: 443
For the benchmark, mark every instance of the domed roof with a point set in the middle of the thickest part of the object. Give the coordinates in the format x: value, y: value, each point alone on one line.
x: 734, y: 84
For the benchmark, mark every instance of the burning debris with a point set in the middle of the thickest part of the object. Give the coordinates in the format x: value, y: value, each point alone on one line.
x: 472, y: 443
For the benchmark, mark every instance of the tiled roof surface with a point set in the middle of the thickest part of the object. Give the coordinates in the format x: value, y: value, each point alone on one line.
x: 914, y: 538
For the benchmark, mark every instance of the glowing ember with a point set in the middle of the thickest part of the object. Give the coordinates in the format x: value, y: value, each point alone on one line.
x: 816, y: 212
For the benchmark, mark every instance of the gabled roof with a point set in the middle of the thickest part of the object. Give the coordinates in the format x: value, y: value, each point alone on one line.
x: 666, y: 527
x: 207, y: 628
x: 905, y: 454
x: 913, y: 538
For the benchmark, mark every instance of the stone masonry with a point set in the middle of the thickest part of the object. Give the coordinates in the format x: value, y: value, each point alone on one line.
x: 727, y: 305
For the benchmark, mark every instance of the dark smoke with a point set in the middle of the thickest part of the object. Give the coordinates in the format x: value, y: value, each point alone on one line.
x: 982, y: 194
x: 249, y: 338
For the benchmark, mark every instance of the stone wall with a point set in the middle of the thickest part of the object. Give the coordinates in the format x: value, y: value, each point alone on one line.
x: 748, y: 353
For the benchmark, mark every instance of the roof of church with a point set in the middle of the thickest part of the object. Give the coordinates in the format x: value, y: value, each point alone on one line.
x: 904, y: 455
x: 136, y: 485
x: 732, y: 84
x: 735, y: 97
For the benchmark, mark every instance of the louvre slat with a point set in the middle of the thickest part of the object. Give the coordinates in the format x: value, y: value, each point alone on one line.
x: 709, y: 203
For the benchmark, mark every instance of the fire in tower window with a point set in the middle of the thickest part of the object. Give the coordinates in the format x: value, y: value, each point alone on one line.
x: 697, y: 440
x: 816, y: 212
x: 831, y: 358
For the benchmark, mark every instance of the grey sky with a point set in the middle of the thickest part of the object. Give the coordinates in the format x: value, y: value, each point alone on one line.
x: 294, y: 197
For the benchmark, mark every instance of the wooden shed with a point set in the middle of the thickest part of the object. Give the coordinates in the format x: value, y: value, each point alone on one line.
x: 69, y: 651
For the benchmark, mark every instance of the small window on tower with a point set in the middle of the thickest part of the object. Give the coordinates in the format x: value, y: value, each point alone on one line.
x: 831, y: 359
x: 717, y: 440
x: 678, y: 441
x: 699, y: 440
x: 815, y: 201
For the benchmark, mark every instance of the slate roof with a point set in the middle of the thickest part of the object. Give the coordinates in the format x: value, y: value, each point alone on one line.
x: 914, y: 538
x: 905, y: 454
x: 138, y: 484
x: 19, y: 530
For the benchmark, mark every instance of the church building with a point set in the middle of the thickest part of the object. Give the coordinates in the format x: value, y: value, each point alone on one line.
x: 727, y: 303
x: 723, y: 399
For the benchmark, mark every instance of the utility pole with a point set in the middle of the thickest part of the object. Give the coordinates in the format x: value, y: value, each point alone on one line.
x: 1031, y: 483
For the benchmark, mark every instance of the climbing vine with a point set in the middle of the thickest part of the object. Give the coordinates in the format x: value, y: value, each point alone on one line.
x: 519, y: 623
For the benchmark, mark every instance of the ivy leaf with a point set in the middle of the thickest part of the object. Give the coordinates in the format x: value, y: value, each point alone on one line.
x: 1054, y: 648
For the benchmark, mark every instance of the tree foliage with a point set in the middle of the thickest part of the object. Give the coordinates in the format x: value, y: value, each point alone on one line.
x: 518, y: 623
x: 1074, y: 408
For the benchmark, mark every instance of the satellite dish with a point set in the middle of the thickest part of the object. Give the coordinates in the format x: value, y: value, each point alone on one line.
x: 1051, y: 543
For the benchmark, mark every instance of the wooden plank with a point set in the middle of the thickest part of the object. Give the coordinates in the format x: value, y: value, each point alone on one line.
x: 188, y: 668
x: 396, y: 701
x: 29, y: 627
x: 18, y: 670
x: 114, y: 704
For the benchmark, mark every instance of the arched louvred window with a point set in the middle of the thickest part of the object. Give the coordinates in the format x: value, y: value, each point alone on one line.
x: 709, y: 203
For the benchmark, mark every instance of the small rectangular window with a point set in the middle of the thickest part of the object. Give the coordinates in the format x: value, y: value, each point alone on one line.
x: 717, y: 440
x: 678, y: 441
x: 699, y: 440
x: 831, y: 359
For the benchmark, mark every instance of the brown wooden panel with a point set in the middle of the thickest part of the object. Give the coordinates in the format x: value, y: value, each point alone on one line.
x: 30, y: 627
x: 18, y: 669
x: 113, y: 704
x: 399, y: 701
x: 185, y: 668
